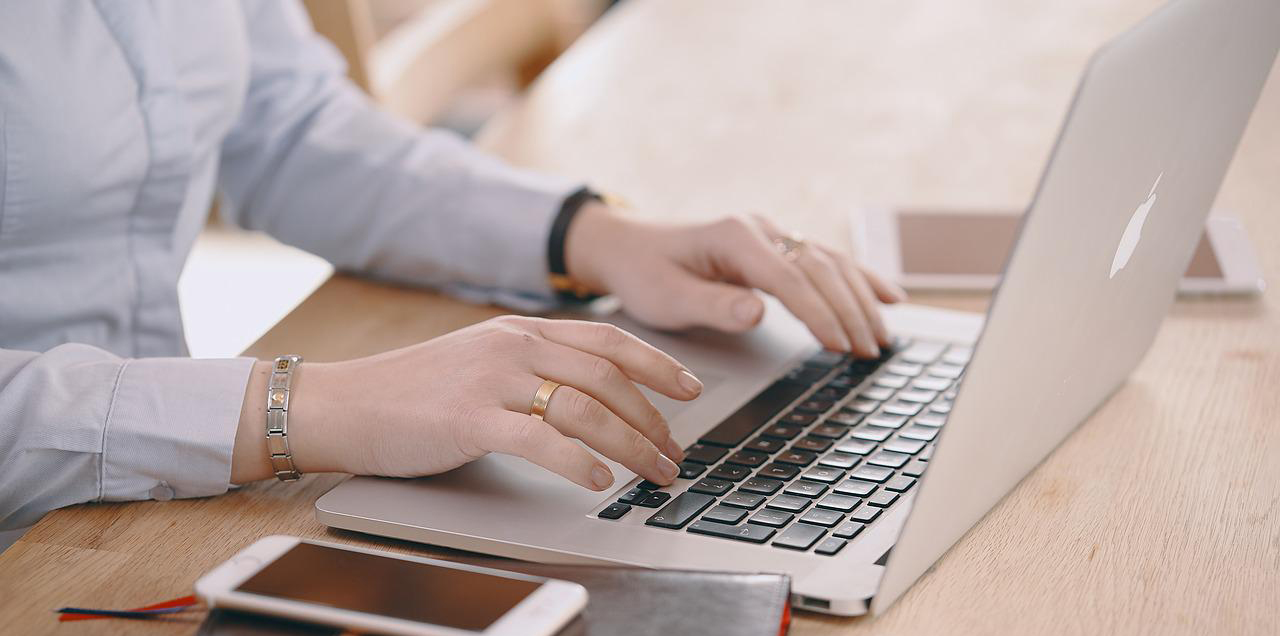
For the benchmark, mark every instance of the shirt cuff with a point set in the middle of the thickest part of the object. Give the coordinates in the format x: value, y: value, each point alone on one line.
x: 171, y: 428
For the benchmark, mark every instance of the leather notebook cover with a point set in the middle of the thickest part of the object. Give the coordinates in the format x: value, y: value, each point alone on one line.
x: 622, y: 601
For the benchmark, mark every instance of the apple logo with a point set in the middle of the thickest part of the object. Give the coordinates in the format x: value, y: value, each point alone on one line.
x: 1133, y: 231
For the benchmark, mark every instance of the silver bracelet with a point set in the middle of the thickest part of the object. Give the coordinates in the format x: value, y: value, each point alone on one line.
x: 278, y: 417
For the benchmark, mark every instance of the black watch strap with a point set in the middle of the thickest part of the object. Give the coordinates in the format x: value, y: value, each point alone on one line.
x: 566, y: 287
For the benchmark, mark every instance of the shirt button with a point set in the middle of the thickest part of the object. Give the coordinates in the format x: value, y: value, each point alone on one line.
x: 162, y: 492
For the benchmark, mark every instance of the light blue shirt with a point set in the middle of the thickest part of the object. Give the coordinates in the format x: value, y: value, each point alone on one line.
x: 118, y: 121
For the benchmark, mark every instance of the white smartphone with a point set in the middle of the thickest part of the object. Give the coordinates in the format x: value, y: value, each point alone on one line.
x: 371, y: 591
x: 966, y: 250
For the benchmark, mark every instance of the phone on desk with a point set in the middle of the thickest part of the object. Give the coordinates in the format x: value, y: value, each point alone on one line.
x: 371, y: 591
x: 924, y: 249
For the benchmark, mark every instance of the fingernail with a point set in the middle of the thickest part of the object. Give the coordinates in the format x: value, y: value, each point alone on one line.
x: 689, y: 383
x: 844, y: 343
x: 900, y: 294
x: 667, y: 468
x: 601, y: 478
x: 747, y: 310
x: 673, y: 450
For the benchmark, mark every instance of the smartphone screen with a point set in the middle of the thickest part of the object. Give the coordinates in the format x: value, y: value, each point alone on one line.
x: 371, y: 584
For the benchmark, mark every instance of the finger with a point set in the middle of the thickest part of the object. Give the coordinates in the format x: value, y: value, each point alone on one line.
x: 853, y: 276
x: 579, y: 415
x: 604, y: 381
x: 693, y: 301
x: 886, y: 291
x: 638, y: 359
x: 827, y: 277
x: 537, y: 441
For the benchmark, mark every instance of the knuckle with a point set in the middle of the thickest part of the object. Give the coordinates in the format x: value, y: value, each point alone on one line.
x: 584, y: 408
x: 604, y: 372
x: 656, y: 423
x: 639, y: 447
x: 611, y: 338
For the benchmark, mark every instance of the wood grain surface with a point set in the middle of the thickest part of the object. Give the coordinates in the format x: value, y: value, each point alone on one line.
x: 1161, y: 514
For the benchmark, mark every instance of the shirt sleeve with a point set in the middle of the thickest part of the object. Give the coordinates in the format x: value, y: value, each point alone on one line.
x: 79, y: 424
x: 313, y: 162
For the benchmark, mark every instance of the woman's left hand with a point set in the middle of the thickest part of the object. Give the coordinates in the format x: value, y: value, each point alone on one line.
x: 680, y: 276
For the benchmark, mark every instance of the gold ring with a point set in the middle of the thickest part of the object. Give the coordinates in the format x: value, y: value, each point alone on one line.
x: 540, y: 399
x: 789, y: 246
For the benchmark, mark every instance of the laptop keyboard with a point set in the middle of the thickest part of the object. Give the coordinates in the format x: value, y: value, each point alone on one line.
x: 816, y: 457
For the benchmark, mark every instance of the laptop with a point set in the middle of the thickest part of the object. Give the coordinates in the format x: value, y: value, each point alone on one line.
x: 854, y: 476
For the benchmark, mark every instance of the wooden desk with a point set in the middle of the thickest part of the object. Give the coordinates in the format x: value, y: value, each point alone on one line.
x: 1160, y: 515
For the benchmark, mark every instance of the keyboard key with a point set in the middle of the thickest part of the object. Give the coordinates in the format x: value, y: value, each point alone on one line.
x: 941, y: 407
x: 825, y: 359
x: 931, y: 383
x: 804, y: 377
x: 824, y: 474
x: 877, y: 393
x: 902, y: 445
x: 830, y: 546
x: 922, y: 352
x: 783, y: 431
x: 714, y: 487
x: 635, y: 495
x: 811, y: 443
x: 729, y: 472
x: 740, y: 499
x: 761, y: 485
x: 888, y: 458
x: 891, y: 381
x: 848, y: 530
x: 736, y: 428
x: 843, y: 382
x: 800, y: 536
x: 748, y: 458
x: 872, y: 433
x: 839, y: 460
x: 831, y: 393
x: 930, y: 420
x: 704, y: 454
x: 909, y: 369
x: 864, y: 406
x: 958, y: 355
x: 654, y: 500
x: 872, y: 473
x: 765, y: 445
x: 915, y: 468
x: 772, y: 518
x: 829, y: 431
x: 856, y: 487
x: 885, y: 421
x: 865, y: 514
x: 798, y: 419
x: 778, y: 471
x: 843, y: 503
x: 943, y: 370
x: 648, y: 485
x: 902, y: 408
x: 917, y: 397
x: 804, y: 488
x: 920, y: 433
x: 855, y: 446
x: 681, y: 510
x: 882, y: 499
x: 691, y: 470
x: 745, y: 532
x: 927, y: 453
x: 614, y: 511
x: 788, y: 503
x: 823, y: 517
x: 725, y: 514
x: 796, y: 457
x: 815, y: 406
x: 847, y: 418
x: 901, y: 483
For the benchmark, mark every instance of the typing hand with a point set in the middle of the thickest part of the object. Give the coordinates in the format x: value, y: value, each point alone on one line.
x: 674, y: 277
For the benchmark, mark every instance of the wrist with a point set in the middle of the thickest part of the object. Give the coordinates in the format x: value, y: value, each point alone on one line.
x: 588, y: 241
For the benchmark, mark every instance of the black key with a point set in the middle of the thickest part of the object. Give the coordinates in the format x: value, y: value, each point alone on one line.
x: 830, y: 393
x: 648, y: 485
x: 901, y: 483
x: 830, y: 546
x: 704, y: 454
x: 681, y: 510
x: 797, y: 418
x: 829, y: 431
x: 796, y: 457
x: 856, y: 487
x: 882, y: 499
x: 915, y: 468
x: 729, y: 472
x: 902, y: 408
x: 888, y: 458
x: 740, y: 499
x: 921, y: 433
x: 654, y: 500
x: 761, y: 485
x: 748, y: 458
x: 872, y: 433
x: 842, y: 503
x: 839, y: 460
x: 825, y: 359
x: 842, y: 383
x: 804, y: 488
x: 711, y: 486
x: 765, y: 445
x: 742, y: 423
x: 778, y: 471
x: 860, y: 407
x: 865, y: 514
x: 801, y: 536
x: 872, y: 473
x: 774, y: 518
x: 788, y: 503
x: 635, y: 495
x: 805, y: 377
x: 614, y: 511
x: 855, y: 446
x: 846, y: 418
x: 810, y: 443
x: 877, y: 393
x: 691, y: 470
x: 848, y: 530
x: 823, y: 474
x: 784, y: 431
x: 815, y: 406
x: 745, y: 532
x: 725, y: 514
x: 902, y: 445
x: 885, y: 421
x: 822, y: 517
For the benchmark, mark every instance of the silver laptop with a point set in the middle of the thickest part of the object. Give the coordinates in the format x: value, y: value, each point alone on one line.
x: 855, y: 476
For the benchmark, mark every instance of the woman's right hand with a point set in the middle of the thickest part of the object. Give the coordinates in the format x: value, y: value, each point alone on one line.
x: 433, y: 406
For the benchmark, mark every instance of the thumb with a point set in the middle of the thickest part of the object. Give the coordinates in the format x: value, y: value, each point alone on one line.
x: 699, y: 302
